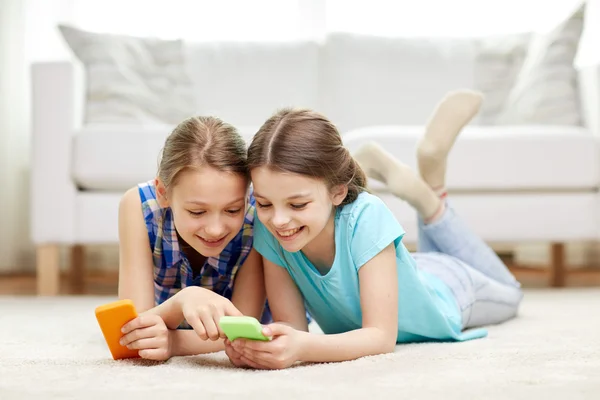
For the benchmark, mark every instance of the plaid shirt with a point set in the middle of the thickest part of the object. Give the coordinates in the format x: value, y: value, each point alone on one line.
x: 172, y: 270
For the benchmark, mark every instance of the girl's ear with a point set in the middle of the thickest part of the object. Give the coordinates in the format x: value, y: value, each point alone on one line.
x: 338, y: 194
x: 161, y: 193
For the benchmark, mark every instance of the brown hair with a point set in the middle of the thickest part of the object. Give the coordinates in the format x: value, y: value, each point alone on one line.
x: 304, y: 142
x: 202, y: 141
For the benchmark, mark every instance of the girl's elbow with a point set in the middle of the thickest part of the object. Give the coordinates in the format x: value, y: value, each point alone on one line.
x: 388, y: 342
x: 389, y: 346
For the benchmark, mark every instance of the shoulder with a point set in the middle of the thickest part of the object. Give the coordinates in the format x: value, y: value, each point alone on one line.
x: 368, y: 226
x: 146, y: 190
x: 365, y: 205
x: 130, y: 201
x: 366, y: 198
x: 149, y: 200
x: 369, y: 217
x: 141, y: 200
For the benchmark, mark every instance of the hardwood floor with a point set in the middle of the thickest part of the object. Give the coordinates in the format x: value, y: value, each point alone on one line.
x: 105, y: 283
x: 93, y: 283
x: 540, y: 277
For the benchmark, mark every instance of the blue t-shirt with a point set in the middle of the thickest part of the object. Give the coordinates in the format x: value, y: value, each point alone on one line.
x: 427, y: 310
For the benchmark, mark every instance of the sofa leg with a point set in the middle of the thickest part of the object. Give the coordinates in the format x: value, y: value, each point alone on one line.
x: 77, y: 271
x: 48, y: 269
x: 558, y: 272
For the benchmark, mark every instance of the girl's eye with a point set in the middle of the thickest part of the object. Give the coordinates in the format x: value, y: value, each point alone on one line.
x: 196, y: 213
x: 233, y: 212
x: 298, y: 206
x: 263, y: 205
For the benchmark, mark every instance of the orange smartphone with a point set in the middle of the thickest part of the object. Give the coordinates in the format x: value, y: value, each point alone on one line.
x: 111, y: 318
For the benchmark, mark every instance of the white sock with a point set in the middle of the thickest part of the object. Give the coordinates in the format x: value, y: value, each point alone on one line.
x: 453, y: 112
x: 400, y: 179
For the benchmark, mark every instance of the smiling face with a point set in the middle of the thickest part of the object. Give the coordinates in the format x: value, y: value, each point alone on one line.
x: 208, y: 207
x: 294, y: 208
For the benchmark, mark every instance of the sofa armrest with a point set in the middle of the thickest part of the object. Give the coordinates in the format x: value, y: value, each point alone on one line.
x: 589, y: 97
x: 56, y: 99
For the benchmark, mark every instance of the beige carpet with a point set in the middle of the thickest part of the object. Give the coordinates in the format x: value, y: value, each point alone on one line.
x: 52, y: 348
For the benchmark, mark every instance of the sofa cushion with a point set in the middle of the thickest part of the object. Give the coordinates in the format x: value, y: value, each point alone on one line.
x: 115, y: 158
x: 491, y: 158
x: 519, y: 158
x: 545, y: 91
x: 245, y: 82
x: 368, y: 80
x: 130, y: 79
x: 525, y: 77
x: 498, y: 61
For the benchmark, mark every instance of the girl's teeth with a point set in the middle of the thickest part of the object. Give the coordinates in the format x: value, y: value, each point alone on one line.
x: 289, y: 232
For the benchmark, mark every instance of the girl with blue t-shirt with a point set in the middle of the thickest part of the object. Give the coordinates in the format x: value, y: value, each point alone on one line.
x: 186, y: 239
x: 333, y: 249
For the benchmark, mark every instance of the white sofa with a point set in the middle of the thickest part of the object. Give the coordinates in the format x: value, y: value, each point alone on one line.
x: 514, y: 184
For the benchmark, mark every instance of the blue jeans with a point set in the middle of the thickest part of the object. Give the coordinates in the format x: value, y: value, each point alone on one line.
x: 485, y: 290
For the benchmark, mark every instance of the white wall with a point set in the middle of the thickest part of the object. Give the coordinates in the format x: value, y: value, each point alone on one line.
x: 14, y: 138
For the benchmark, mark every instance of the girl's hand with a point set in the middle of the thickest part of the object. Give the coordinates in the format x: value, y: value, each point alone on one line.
x: 203, y: 309
x: 279, y: 353
x: 148, y: 334
x: 234, y: 356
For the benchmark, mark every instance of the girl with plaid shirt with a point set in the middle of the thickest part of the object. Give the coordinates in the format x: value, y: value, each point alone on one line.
x: 184, y: 238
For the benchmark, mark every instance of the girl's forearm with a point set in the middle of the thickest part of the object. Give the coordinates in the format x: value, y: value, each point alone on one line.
x: 187, y: 343
x: 171, y: 312
x: 346, y: 346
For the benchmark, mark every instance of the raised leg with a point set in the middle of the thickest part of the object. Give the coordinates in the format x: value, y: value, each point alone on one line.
x: 452, y: 236
x: 440, y: 229
x: 425, y: 244
x: 48, y: 269
x: 446, y: 122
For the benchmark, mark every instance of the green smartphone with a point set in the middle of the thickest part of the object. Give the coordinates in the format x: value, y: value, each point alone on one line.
x: 242, y: 327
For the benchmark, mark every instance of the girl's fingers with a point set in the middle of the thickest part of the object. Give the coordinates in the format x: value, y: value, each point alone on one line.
x: 212, y: 332
x: 150, y: 343
x: 251, y: 363
x: 142, y: 321
x: 154, y: 354
x: 196, y: 323
x: 137, y: 335
x: 258, y: 356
